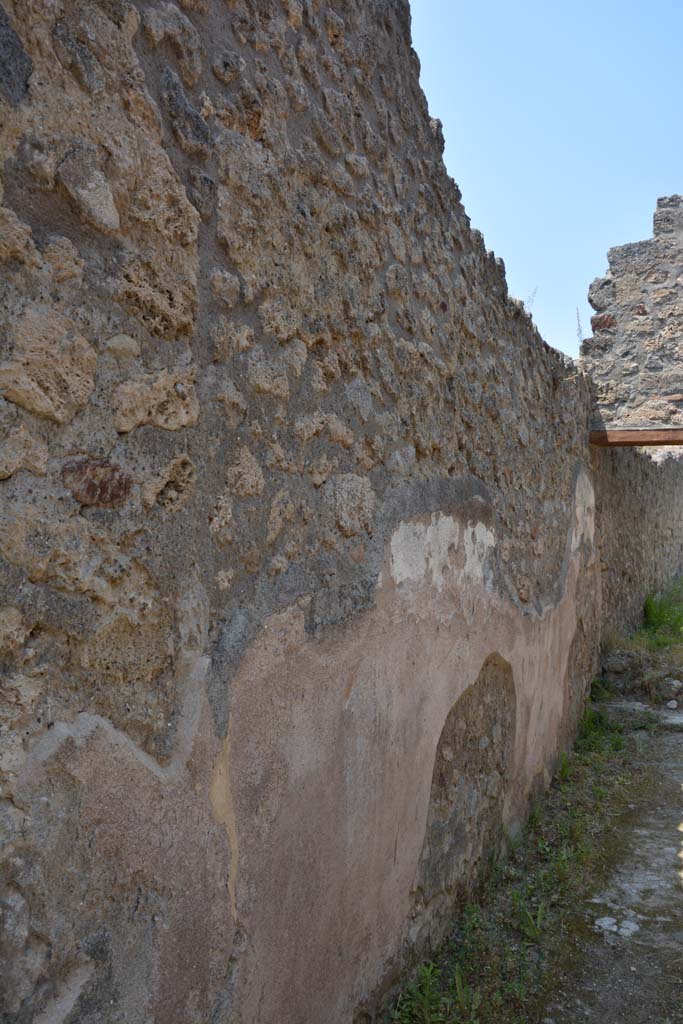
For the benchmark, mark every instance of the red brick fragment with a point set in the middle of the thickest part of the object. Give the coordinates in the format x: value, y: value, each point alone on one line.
x: 96, y: 482
x: 603, y: 322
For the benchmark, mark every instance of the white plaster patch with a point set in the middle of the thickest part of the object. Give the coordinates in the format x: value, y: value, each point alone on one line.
x: 479, y: 542
x: 584, y: 526
x: 408, y: 552
x: 420, y: 551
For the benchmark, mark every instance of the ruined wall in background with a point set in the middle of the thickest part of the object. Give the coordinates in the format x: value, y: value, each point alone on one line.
x: 639, y: 519
x: 635, y: 359
x: 636, y: 353
x: 291, y: 489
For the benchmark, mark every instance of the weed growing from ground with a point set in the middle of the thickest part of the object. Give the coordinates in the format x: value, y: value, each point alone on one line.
x: 422, y: 1002
x: 600, y: 691
x: 663, y: 619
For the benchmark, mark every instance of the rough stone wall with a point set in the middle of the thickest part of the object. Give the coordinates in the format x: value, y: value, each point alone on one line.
x: 636, y: 353
x: 639, y: 519
x: 287, y: 481
x: 472, y: 768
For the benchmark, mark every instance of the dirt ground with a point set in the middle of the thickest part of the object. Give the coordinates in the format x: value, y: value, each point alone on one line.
x: 625, y: 941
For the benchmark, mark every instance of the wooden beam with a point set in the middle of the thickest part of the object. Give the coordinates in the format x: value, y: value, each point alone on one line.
x: 636, y: 437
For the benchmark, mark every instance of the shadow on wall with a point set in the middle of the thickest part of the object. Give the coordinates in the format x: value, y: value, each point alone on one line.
x: 472, y: 769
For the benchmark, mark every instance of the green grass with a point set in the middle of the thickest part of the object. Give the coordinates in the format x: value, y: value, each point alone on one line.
x: 662, y: 619
x: 507, y: 950
x: 423, y: 1001
x: 600, y: 691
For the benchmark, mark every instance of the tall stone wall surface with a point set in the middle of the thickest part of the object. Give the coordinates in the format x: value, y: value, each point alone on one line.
x: 639, y: 522
x: 636, y: 353
x: 300, y: 583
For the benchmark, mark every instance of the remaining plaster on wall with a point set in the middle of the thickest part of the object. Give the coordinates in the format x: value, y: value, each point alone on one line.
x: 418, y: 549
x: 331, y: 835
x: 584, y: 526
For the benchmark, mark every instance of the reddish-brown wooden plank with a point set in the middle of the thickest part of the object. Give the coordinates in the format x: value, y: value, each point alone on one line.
x: 636, y: 437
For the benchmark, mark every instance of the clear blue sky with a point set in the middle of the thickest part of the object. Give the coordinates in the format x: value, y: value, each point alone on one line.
x: 563, y: 125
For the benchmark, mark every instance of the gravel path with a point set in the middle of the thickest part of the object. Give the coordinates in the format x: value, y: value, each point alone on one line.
x: 625, y: 955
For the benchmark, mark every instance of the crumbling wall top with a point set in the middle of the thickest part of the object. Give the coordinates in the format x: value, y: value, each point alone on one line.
x: 634, y: 356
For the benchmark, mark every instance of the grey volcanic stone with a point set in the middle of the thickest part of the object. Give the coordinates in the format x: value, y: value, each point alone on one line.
x: 15, y: 64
